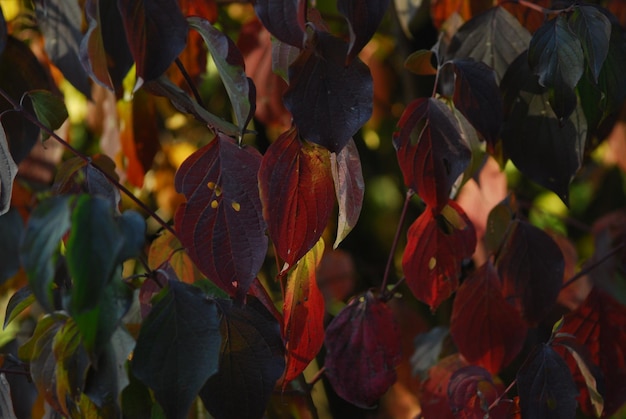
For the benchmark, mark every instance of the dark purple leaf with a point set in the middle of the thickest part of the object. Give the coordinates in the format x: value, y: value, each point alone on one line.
x: 284, y: 19
x: 221, y: 224
x: 251, y: 361
x: 363, y: 350
x: 546, y: 387
x: 363, y: 16
x: 329, y: 101
x: 156, y: 31
x: 593, y: 29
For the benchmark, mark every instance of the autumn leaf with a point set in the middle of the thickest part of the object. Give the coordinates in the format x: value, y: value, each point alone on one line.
x: 363, y: 19
x: 284, y: 19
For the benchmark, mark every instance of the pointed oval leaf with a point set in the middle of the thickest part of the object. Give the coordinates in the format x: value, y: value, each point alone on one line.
x: 284, y: 19
x: 8, y: 172
x: 593, y: 29
x: 303, y: 311
x: 545, y: 385
x: 251, y: 361
x: 221, y: 224
x: 430, y: 150
x: 531, y: 268
x: 471, y: 392
x: 156, y: 31
x: 49, y: 109
x: 494, y: 37
x: 178, y: 347
x: 341, y: 95
x: 349, y: 188
x: 421, y: 63
x: 296, y: 186
x: 363, y: 18
x: 230, y: 65
x: 487, y: 330
x: 18, y: 302
x: 363, y: 350
x: 39, y: 247
x: 436, y: 246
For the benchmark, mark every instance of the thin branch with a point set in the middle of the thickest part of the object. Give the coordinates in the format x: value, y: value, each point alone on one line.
x: 190, y: 82
x: 594, y: 265
x: 16, y: 372
x: 496, y: 401
x: 316, y: 377
x: 87, y: 159
x: 396, y: 238
x: 388, y: 295
x: 538, y: 8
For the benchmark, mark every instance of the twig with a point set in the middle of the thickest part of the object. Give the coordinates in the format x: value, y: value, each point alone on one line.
x: 538, y: 8
x: 496, y: 401
x: 318, y: 376
x: 594, y: 265
x: 17, y: 372
x: 190, y: 82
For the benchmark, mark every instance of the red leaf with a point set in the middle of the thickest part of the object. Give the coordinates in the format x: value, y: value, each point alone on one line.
x: 430, y: 149
x: 296, y: 188
x: 363, y: 344
x: 471, y: 391
x: 221, y: 224
x: 156, y: 31
x: 600, y: 324
x: 363, y: 18
x: 435, y: 400
x: 303, y: 308
x: 531, y: 267
x: 349, y: 186
x: 341, y: 96
x: 284, y: 19
x: 487, y: 330
x: 437, y: 243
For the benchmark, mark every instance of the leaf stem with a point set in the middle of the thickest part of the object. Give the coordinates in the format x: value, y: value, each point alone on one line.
x: 396, y: 238
x: 538, y: 8
x: 594, y: 265
x: 318, y: 376
x: 190, y: 83
x: 87, y: 159
x: 497, y: 401
x: 17, y: 372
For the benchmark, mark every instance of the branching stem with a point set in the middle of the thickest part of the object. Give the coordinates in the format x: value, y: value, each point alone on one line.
x: 396, y: 238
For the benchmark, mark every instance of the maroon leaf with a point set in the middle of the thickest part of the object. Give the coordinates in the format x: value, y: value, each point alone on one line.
x: 303, y: 308
x: 437, y: 244
x: 284, y: 19
x: 156, y: 31
x: 531, y: 267
x: 349, y: 187
x: 600, y: 324
x: 487, y: 330
x: 430, y: 149
x: 363, y: 344
x: 221, y: 224
x: 545, y: 385
x: 363, y: 18
x: 471, y: 391
x: 296, y: 188
x: 329, y: 101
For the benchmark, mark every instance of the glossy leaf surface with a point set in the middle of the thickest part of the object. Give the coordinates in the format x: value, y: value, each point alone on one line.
x: 363, y: 350
x: 340, y: 95
x: 296, y: 186
x: 251, y: 361
x: 436, y: 246
x: 221, y: 224
x: 284, y: 19
x: 363, y: 18
x: 487, y: 330
x: 178, y: 347
x: 303, y: 311
x: 431, y: 152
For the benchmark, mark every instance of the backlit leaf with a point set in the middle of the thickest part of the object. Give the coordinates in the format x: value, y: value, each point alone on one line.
x: 530, y: 265
x: 431, y: 152
x: 230, y: 64
x: 284, y: 19
x: 8, y: 171
x: 545, y: 386
x: 167, y: 248
x: 221, y: 224
x: 434, y: 399
x: 494, y: 37
x: 18, y: 302
x: 156, y: 31
x: 421, y: 63
x: 487, y: 330
x: 303, y: 311
x: 49, y: 109
x: 349, y: 188
x: 363, y: 18
x: 470, y: 392
x: 593, y: 29
x: 363, y: 350
x: 251, y: 361
x: 436, y: 246
x: 341, y: 96
x: 178, y: 347
x: 47, y: 225
x: 547, y: 151
x: 296, y: 187
x: 556, y: 56
x: 60, y: 22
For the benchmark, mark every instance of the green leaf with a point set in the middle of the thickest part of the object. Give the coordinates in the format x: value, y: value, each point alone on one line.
x: 11, y: 229
x: 8, y: 171
x: 178, y: 347
x: 593, y: 29
x: 46, y: 226
x: 49, y: 109
x: 19, y: 302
